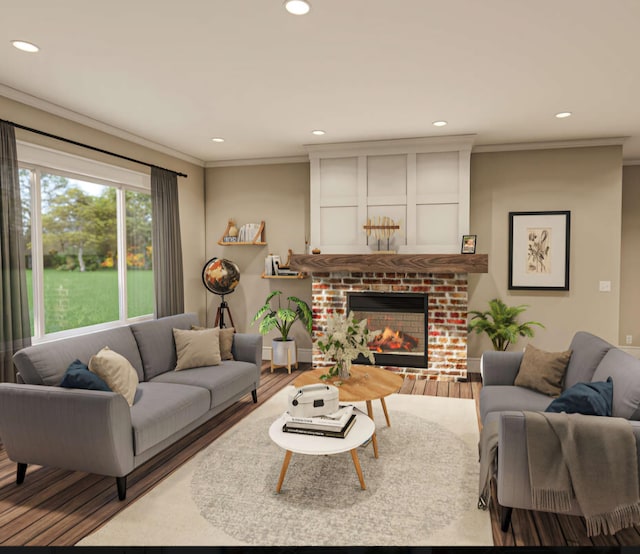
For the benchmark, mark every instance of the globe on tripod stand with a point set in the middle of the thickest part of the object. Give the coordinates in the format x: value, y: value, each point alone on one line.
x: 221, y: 277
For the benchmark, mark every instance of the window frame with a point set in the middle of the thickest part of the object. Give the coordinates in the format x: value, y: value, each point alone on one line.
x: 40, y: 159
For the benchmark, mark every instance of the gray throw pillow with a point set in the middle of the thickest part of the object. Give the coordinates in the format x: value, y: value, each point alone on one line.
x: 542, y: 371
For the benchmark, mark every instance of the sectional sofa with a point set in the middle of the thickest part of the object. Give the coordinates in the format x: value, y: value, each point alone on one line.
x: 99, y: 432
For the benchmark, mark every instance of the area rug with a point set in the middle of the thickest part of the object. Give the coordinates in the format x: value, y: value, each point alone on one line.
x: 421, y: 491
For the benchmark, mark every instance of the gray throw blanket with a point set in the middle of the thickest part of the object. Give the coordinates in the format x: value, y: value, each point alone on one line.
x: 590, y: 457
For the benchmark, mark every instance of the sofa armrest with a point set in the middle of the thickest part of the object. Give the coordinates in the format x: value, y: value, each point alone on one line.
x: 82, y: 430
x: 247, y: 348
x: 499, y: 368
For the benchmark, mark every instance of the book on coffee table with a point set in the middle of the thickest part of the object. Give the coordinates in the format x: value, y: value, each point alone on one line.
x: 328, y: 422
x: 335, y: 432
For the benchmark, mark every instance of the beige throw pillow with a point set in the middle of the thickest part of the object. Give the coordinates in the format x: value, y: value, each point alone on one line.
x: 116, y: 371
x: 197, y: 348
x: 226, y: 340
x: 543, y: 371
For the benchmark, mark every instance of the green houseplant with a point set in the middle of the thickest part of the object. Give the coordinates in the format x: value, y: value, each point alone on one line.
x: 281, y: 317
x: 499, y: 323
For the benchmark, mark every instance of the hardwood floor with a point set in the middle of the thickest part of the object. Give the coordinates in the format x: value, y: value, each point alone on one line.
x: 58, y: 508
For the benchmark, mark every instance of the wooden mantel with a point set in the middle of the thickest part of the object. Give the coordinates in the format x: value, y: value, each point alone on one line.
x: 391, y: 263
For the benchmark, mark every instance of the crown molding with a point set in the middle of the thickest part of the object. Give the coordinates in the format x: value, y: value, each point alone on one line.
x: 550, y: 145
x: 259, y: 161
x: 631, y: 162
x: 54, y: 109
x: 392, y: 146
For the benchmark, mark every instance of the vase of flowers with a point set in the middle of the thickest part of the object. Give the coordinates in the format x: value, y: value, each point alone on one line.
x: 345, y: 339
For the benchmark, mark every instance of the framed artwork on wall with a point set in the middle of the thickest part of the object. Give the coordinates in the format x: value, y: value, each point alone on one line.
x: 468, y: 244
x: 539, y: 250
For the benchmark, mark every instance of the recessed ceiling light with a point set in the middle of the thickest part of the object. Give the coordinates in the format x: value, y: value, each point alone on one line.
x: 217, y: 139
x: 562, y: 115
x: 439, y: 123
x: 318, y: 132
x: 25, y: 46
x: 297, y: 7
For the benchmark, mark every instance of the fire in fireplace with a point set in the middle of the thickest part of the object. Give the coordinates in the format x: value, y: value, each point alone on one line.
x: 401, y: 320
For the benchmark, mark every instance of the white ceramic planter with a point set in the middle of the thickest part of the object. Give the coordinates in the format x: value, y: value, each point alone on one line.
x: 283, y: 353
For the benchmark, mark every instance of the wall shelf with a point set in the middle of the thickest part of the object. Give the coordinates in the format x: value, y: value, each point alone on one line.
x: 257, y: 239
x: 298, y: 276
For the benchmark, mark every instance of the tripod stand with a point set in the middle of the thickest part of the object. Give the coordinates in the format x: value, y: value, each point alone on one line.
x: 220, y: 314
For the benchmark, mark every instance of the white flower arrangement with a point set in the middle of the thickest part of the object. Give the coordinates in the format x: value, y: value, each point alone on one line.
x: 346, y: 338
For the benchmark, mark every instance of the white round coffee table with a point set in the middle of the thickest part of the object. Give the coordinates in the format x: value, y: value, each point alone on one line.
x: 314, y: 445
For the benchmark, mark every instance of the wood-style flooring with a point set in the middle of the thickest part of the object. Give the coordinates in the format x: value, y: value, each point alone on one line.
x: 54, y: 507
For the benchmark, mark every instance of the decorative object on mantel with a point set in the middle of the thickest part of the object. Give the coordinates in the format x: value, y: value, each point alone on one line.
x: 392, y: 263
x: 284, y: 352
x: 500, y: 325
x: 468, y: 244
x: 382, y: 228
x: 539, y: 250
x: 346, y: 338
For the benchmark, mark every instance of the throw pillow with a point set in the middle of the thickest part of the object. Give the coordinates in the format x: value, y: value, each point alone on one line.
x: 226, y: 340
x: 78, y: 376
x: 197, y: 348
x: 585, y: 398
x: 116, y: 371
x: 542, y: 371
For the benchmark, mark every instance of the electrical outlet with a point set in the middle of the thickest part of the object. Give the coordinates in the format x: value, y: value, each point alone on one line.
x: 629, y: 339
x: 605, y: 286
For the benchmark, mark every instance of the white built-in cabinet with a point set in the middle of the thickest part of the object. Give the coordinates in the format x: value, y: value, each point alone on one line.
x: 422, y: 184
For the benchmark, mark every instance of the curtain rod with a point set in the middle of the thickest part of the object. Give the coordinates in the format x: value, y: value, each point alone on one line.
x: 95, y: 149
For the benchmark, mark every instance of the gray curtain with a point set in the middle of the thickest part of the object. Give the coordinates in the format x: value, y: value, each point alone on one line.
x: 15, y: 329
x: 167, y: 248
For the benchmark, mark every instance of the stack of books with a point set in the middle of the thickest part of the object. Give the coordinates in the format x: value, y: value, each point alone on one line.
x: 335, y: 425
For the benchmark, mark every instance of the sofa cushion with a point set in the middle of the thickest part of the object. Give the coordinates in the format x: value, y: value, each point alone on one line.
x: 223, y: 381
x: 160, y: 410
x: 587, y: 352
x: 155, y: 341
x: 78, y: 376
x: 226, y: 340
x: 45, y: 364
x: 624, y: 369
x: 116, y: 371
x: 542, y: 371
x: 500, y: 398
x: 595, y: 398
x: 197, y: 348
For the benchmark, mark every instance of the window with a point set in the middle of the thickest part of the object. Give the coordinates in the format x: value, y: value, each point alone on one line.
x: 87, y: 228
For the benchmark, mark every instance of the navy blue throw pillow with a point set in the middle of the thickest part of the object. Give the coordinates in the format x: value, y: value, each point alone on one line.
x: 585, y: 398
x: 78, y: 376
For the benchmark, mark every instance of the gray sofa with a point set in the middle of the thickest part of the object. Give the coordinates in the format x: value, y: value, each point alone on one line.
x: 502, y: 403
x: 97, y: 432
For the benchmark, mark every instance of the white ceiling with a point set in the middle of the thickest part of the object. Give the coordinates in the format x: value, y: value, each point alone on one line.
x: 179, y: 73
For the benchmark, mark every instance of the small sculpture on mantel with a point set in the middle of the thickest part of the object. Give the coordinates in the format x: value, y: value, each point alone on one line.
x: 382, y: 228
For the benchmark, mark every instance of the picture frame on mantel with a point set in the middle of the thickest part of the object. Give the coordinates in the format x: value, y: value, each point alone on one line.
x: 539, y: 246
x: 468, y: 244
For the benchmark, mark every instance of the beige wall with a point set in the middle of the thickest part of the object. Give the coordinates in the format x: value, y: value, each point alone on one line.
x: 277, y: 194
x: 630, y: 256
x: 586, y: 181
x: 191, y: 189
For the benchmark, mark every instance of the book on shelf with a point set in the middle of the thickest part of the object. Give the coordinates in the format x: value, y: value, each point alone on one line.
x: 328, y: 422
x: 336, y: 433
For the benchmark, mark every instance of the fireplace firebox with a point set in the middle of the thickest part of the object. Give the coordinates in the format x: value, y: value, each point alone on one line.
x: 401, y: 322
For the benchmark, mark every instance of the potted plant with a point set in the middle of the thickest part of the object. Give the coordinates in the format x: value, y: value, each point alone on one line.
x: 499, y: 323
x: 345, y: 339
x: 282, y: 318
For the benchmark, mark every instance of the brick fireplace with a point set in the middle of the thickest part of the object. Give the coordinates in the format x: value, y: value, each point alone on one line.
x: 447, y: 313
x: 441, y: 277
